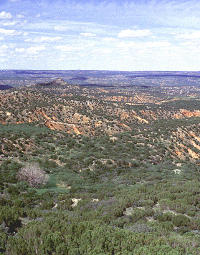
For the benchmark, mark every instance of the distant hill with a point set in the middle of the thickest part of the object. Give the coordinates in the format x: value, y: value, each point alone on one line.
x: 4, y: 87
x: 56, y: 82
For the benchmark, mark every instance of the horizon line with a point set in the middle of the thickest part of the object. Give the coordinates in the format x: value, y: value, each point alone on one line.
x: 102, y: 70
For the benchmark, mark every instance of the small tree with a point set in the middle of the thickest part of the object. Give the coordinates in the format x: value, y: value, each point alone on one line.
x: 33, y: 174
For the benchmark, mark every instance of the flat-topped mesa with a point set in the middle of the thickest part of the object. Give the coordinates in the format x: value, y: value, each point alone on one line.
x: 59, y: 81
x: 56, y: 82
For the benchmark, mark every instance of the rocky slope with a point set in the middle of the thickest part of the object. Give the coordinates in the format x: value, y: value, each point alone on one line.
x: 95, y: 111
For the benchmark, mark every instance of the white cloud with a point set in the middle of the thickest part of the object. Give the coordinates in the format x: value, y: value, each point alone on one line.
x: 5, y: 15
x: 9, y: 23
x: 3, y: 50
x: 74, y: 25
x: 134, y: 33
x: 3, y: 47
x: 189, y: 36
x: 109, y: 39
x: 67, y: 48
x: 44, y: 39
x: 158, y: 44
x: 35, y: 50
x: 31, y: 50
x: 103, y: 51
x: 9, y: 32
x: 20, y: 50
x: 60, y: 28
x: 20, y: 16
x: 88, y: 34
x: 126, y: 46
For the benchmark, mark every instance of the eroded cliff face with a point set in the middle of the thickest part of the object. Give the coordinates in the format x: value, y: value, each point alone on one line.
x: 80, y: 117
x: 183, y: 143
x: 94, y: 112
x: 183, y: 113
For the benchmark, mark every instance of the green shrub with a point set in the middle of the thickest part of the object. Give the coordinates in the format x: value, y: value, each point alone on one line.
x: 11, y: 217
x: 164, y: 217
x: 180, y: 220
x: 3, y: 241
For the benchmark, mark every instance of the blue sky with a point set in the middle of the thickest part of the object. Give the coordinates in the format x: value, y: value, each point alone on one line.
x: 104, y: 35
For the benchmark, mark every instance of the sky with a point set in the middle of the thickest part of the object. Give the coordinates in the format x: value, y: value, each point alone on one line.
x: 134, y: 35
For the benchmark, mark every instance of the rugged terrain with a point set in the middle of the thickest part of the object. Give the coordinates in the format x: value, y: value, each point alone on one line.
x: 93, y: 112
x: 122, y: 166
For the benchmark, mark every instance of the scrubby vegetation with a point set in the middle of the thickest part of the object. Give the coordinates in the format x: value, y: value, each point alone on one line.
x: 32, y: 174
x: 103, y: 196
x: 134, y: 192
